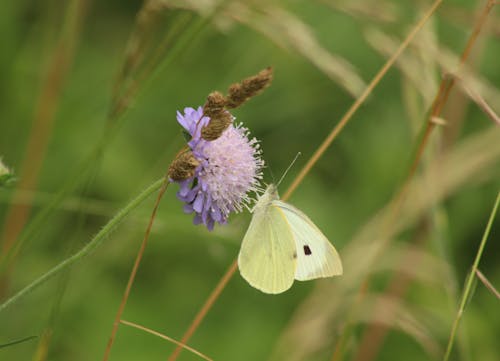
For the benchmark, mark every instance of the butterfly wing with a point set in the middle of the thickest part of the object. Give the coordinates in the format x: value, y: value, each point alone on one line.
x: 266, y: 260
x: 316, y: 257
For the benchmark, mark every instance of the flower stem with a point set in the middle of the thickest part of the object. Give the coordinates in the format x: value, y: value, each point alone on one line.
x: 89, y: 247
x: 138, y: 258
x: 470, y: 279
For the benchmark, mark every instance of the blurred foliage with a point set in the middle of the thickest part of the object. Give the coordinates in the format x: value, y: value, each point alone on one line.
x: 171, y: 54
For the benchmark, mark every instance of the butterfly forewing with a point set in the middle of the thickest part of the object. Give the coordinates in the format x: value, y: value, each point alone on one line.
x: 316, y: 257
x: 267, y: 255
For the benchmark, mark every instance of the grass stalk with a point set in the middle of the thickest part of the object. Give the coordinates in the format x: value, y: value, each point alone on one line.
x: 309, y: 165
x: 165, y: 337
x: 479, y: 100
x: 133, y: 273
x: 89, y: 247
x: 470, y: 280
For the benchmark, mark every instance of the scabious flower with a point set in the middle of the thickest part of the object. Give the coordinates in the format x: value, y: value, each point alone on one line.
x: 224, y: 170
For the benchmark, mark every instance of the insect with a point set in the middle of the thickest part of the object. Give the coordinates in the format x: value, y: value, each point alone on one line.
x: 282, y: 245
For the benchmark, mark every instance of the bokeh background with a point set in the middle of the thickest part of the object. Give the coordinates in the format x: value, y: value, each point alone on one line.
x: 64, y: 67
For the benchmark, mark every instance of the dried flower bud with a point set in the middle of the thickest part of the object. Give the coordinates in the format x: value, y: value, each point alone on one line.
x: 220, y: 119
x: 249, y: 87
x: 183, y: 166
x: 215, y: 104
x: 217, y: 125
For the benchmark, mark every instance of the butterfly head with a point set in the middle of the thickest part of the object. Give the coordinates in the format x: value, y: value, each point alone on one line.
x: 271, y: 191
x: 267, y: 197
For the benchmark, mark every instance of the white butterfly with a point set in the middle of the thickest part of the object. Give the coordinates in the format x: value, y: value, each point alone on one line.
x: 282, y: 245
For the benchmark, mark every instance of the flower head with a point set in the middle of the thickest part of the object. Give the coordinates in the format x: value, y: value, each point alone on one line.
x: 228, y: 168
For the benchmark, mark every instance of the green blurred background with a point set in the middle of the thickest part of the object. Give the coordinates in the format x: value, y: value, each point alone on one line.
x: 61, y: 66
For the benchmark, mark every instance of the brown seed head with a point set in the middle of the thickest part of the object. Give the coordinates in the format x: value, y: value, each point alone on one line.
x: 217, y: 125
x: 215, y: 104
x: 183, y: 166
x: 220, y: 118
x: 239, y: 93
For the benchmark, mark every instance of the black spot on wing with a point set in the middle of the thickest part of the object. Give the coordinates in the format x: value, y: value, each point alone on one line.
x: 307, y: 250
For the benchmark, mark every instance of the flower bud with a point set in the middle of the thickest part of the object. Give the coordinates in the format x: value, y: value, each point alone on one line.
x: 183, y: 166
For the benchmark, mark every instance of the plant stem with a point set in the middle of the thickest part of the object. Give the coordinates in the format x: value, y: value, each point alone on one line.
x: 89, y: 247
x: 470, y: 279
x: 487, y: 284
x: 133, y: 273
x: 165, y: 337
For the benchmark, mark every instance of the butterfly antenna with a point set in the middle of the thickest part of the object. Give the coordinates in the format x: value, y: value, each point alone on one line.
x: 290, y: 166
x: 272, y: 174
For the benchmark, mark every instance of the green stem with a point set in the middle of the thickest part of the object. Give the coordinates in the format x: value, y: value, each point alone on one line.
x: 89, y: 247
x: 470, y: 279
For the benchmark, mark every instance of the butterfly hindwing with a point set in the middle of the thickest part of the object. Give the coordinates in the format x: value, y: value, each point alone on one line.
x: 266, y: 258
x: 316, y: 257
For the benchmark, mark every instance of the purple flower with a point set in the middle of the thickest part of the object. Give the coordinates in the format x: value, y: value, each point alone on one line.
x: 230, y: 167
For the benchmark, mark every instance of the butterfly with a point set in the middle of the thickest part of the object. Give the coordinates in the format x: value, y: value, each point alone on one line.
x: 282, y: 245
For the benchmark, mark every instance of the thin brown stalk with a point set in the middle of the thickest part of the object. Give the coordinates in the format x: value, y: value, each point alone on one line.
x: 43, y: 121
x: 305, y: 170
x: 488, y: 284
x: 133, y: 273
x: 374, y: 335
x: 478, y: 99
x: 165, y: 337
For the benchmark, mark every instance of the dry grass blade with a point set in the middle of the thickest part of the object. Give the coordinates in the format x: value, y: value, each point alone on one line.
x: 449, y: 60
x: 165, y: 337
x: 479, y: 100
x: 488, y: 284
x: 470, y: 163
x: 392, y: 312
x: 464, y: 18
x: 403, y: 258
x: 445, y: 58
x: 372, y: 10
x: 292, y: 33
x: 421, y: 75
